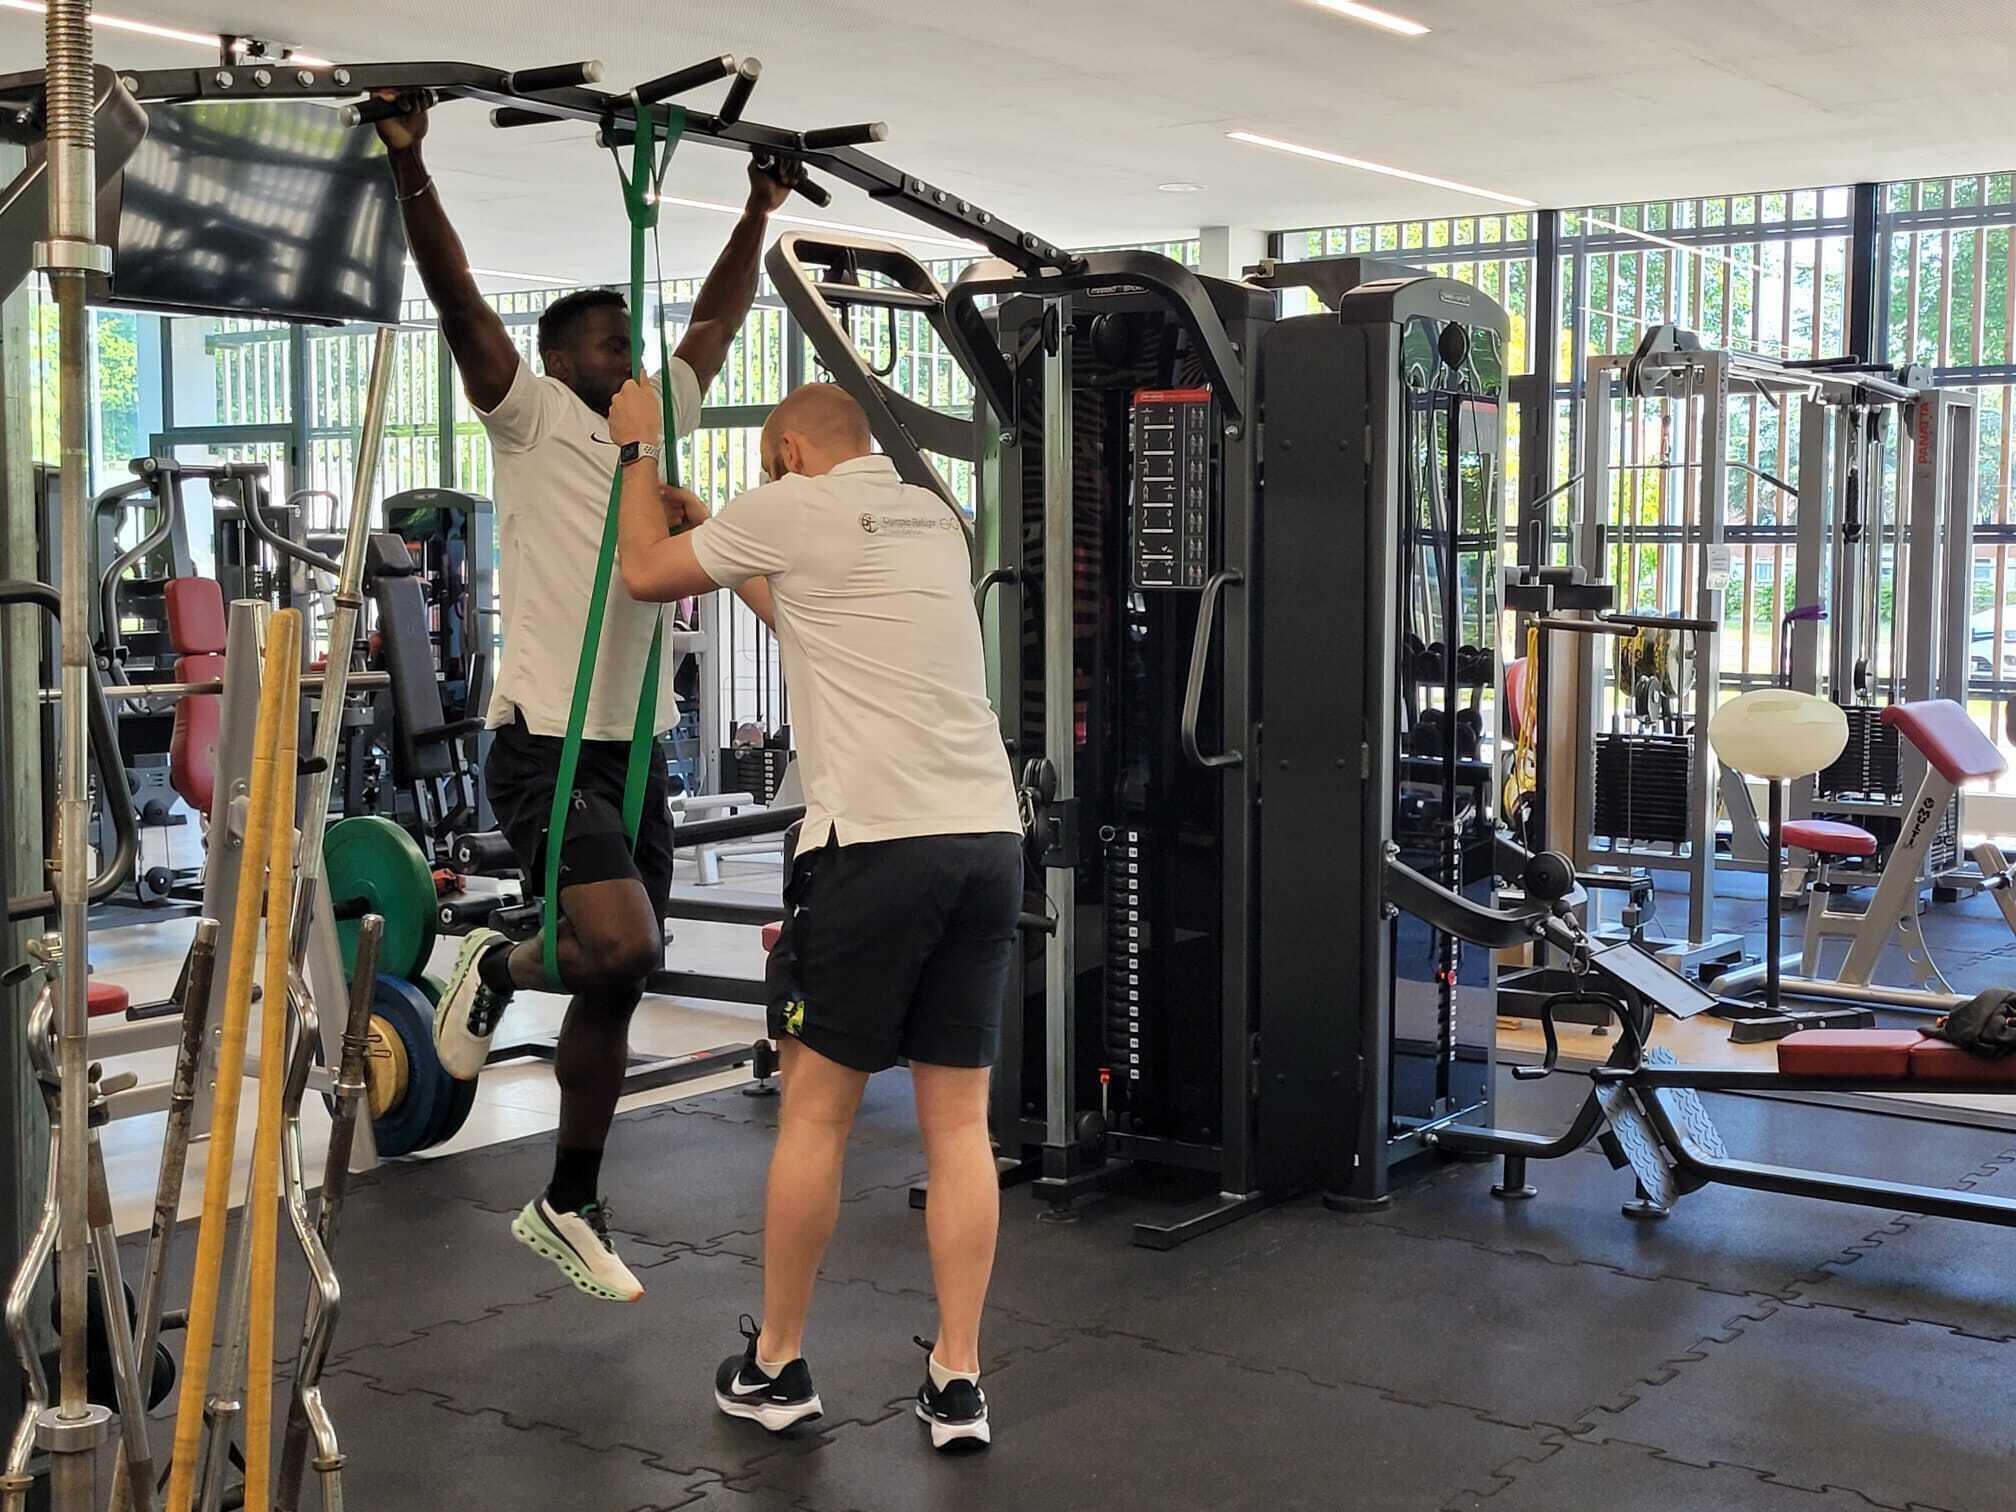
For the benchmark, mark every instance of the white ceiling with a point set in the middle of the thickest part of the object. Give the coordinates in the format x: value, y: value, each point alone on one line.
x: 1064, y: 115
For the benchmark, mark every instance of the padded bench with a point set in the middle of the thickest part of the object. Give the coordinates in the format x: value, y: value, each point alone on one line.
x: 1888, y: 1055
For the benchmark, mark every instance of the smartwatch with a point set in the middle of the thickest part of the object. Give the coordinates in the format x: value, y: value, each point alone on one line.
x: 637, y: 451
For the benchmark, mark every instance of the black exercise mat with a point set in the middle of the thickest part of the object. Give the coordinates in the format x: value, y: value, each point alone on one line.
x: 1118, y: 1425
x: 1907, y: 1416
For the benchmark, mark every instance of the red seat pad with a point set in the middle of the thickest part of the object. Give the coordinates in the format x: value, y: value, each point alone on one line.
x: 196, y: 621
x: 192, y: 739
x: 1874, y: 1053
x: 1948, y: 738
x: 771, y: 934
x: 1829, y: 837
x: 102, y: 998
x: 1942, y: 1061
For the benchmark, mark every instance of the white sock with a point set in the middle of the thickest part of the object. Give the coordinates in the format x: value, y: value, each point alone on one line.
x: 941, y: 1377
x: 771, y: 1368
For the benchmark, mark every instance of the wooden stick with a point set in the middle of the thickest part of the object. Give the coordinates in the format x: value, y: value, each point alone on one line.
x: 263, y: 1200
x: 282, y: 649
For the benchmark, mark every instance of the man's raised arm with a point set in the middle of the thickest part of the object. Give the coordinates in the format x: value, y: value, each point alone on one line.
x: 482, y: 348
x: 730, y: 286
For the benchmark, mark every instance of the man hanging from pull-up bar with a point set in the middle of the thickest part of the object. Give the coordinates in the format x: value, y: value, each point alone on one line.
x: 554, y: 460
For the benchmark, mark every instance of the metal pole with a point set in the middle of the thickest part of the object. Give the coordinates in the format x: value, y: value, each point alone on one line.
x: 1060, y: 744
x: 73, y: 1431
x: 1774, y: 904
x: 348, y: 606
x: 174, y: 1161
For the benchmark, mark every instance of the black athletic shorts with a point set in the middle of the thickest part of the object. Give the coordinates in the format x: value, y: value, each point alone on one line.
x: 899, y: 949
x: 520, y: 775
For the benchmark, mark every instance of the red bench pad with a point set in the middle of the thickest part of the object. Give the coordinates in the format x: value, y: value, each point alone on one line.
x: 1829, y: 837
x: 1948, y: 738
x: 1874, y: 1053
x: 103, y: 998
x: 771, y: 934
x: 1938, y: 1060
x: 196, y: 620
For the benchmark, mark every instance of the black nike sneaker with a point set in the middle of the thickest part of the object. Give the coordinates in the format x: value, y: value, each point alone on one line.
x: 957, y: 1415
x: 742, y: 1390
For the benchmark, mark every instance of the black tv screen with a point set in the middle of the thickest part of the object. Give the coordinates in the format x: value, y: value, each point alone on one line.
x: 259, y: 208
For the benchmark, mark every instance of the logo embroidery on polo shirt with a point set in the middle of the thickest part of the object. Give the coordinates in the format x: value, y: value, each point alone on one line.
x: 907, y: 524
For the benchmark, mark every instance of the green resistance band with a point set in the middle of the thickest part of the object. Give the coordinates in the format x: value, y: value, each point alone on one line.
x: 640, y: 202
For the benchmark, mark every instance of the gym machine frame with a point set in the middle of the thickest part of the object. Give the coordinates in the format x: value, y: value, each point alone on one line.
x: 1846, y: 427
x: 1643, y: 1106
x: 1699, y: 383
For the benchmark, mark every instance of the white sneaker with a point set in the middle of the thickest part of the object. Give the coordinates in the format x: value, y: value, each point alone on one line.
x: 467, y: 1016
x: 579, y: 1244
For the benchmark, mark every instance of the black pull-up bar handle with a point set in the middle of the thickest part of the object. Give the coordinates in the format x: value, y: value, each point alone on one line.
x: 681, y: 80
x: 845, y: 136
x: 811, y: 188
x: 555, y: 76
x: 378, y: 108
x: 737, y: 101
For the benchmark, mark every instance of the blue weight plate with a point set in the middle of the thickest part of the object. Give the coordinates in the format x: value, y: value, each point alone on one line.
x: 404, y: 1126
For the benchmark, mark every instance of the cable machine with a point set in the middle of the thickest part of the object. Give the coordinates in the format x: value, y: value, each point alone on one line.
x: 1652, y: 519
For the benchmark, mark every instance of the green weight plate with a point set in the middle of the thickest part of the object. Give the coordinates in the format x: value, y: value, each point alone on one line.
x: 403, y: 1126
x: 372, y: 861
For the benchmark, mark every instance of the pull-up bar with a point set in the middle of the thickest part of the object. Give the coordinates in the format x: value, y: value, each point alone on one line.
x: 561, y: 92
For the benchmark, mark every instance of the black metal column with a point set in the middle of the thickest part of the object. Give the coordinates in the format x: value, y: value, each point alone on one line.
x: 1536, y: 393
x: 1866, y: 276
x: 444, y: 404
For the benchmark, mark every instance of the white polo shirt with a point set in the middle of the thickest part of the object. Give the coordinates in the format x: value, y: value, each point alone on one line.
x: 881, y: 650
x: 554, y: 462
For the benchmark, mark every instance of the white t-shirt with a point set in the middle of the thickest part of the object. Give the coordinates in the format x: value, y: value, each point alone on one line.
x: 881, y: 651
x: 554, y: 462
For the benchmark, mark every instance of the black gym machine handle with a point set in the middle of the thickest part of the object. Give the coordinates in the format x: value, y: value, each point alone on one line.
x: 554, y: 76
x: 110, y: 502
x: 255, y: 521
x: 1002, y: 575
x: 112, y: 788
x: 769, y: 821
x: 1474, y: 923
x: 1200, y: 659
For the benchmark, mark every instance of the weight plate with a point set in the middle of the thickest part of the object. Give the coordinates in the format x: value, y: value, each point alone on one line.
x: 409, y: 1018
x: 371, y: 859
x: 386, y: 1069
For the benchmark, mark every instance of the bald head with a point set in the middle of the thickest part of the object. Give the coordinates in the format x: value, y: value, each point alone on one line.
x: 814, y: 430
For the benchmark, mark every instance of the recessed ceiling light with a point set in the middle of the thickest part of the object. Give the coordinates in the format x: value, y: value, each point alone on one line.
x: 1180, y: 187
x: 827, y: 225
x: 1373, y: 16
x: 1363, y: 165
x: 210, y: 42
x: 535, y: 278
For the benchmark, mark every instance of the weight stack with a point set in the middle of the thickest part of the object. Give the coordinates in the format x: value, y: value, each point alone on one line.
x: 1641, y: 786
x: 754, y: 769
x: 1867, y: 767
x: 1125, y: 1033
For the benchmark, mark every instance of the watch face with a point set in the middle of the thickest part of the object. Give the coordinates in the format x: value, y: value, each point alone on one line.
x: 629, y: 452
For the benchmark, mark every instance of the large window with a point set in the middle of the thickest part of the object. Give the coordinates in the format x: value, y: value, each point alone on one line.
x: 1946, y: 300
x: 1765, y: 273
